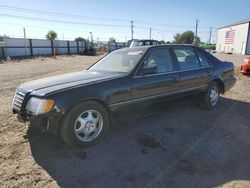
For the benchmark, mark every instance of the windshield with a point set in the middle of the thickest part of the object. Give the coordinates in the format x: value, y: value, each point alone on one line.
x: 118, y: 61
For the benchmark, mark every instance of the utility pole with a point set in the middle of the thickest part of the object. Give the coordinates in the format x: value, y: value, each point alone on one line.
x: 210, y: 35
x: 196, y: 30
x: 132, y: 30
x: 92, y: 44
x: 91, y: 35
x: 196, y: 27
x: 25, y: 45
x: 150, y: 31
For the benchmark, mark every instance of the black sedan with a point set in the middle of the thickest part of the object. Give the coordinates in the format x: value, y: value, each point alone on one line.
x: 80, y: 106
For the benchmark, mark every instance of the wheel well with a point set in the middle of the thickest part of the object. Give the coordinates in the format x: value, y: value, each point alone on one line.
x: 220, y: 85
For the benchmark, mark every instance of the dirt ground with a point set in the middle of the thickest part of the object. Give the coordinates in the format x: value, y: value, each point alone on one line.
x: 180, y: 145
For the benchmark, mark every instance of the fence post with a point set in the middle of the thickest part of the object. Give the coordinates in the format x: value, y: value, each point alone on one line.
x: 31, y: 47
x: 85, y: 46
x: 77, y: 44
x: 52, y: 48
x: 2, y: 48
x: 68, y: 47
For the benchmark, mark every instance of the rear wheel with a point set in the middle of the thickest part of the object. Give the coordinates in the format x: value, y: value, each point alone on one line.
x: 85, y: 124
x: 212, y: 96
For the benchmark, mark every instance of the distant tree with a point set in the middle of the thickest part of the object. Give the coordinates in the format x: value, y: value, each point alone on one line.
x: 79, y: 39
x: 186, y: 37
x: 112, y: 39
x: 162, y: 42
x: 51, y: 35
x: 168, y: 42
x: 177, y: 38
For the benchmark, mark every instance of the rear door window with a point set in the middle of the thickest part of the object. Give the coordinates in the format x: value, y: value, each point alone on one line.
x: 186, y: 58
x: 203, y: 60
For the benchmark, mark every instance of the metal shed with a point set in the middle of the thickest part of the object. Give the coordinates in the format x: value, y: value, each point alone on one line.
x: 234, y: 38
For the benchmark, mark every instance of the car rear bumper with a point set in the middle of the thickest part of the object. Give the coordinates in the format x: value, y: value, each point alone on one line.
x: 229, y: 83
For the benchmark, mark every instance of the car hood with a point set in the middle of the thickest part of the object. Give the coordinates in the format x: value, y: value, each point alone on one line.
x: 44, y: 86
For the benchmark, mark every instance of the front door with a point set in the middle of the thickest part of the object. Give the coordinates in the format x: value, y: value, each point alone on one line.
x: 156, y: 77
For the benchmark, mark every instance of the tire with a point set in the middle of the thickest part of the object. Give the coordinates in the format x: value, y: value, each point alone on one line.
x: 212, y: 96
x: 85, y: 124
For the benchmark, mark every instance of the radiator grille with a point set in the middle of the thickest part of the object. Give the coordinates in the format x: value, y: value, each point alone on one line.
x: 18, y: 100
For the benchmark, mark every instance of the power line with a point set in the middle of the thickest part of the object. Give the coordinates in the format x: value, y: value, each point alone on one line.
x: 44, y: 27
x: 57, y: 13
x: 87, y: 17
x: 132, y: 26
x: 84, y: 23
x: 60, y: 21
x: 164, y: 25
x: 41, y: 27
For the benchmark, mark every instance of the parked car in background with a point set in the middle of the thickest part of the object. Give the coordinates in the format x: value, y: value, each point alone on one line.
x: 80, y: 106
x: 208, y: 46
x: 137, y: 42
x: 245, y: 68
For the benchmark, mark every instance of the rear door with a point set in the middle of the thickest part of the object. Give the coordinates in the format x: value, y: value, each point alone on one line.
x: 193, y: 76
x: 156, y: 76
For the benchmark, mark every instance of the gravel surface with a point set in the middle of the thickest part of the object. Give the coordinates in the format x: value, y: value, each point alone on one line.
x: 179, y: 145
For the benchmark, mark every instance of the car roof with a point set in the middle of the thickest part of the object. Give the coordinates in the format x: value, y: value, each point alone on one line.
x: 145, y: 40
x: 145, y: 48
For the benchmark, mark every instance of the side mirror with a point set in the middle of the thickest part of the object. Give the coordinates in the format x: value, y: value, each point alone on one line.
x: 149, y: 70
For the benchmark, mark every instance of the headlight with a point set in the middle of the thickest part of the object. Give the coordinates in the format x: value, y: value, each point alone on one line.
x: 39, y: 106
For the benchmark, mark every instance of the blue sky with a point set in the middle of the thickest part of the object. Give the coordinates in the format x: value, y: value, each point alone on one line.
x: 112, y: 18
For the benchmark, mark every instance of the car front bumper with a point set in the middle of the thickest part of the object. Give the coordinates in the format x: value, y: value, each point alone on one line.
x: 48, y: 122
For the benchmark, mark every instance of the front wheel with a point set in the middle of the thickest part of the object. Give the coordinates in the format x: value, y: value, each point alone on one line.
x: 85, y: 124
x: 212, y: 96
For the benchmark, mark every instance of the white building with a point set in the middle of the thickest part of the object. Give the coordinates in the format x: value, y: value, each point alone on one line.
x: 234, y: 38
